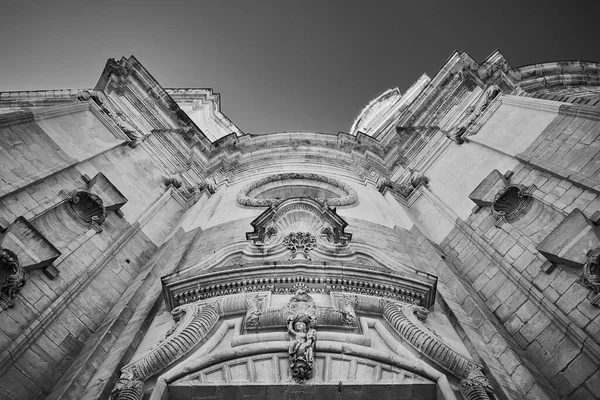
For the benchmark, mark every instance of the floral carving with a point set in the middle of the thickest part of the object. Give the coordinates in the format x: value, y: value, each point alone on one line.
x: 300, y: 318
x: 12, y: 278
x: 590, y: 277
x: 300, y: 243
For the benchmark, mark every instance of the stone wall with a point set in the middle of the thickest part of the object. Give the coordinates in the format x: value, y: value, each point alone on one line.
x: 545, y: 311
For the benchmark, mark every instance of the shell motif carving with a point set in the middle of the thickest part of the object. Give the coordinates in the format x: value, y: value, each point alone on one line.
x: 511, y: 203
x: 86, y: 207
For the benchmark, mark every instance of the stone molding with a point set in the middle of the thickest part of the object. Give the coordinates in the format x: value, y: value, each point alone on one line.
x: 287, y: 277
x: 195, y: 322
x: 405, y: 319
x: 351, y: 198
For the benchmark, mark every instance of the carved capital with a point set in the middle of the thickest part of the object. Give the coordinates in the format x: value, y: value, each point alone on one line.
x: 12, y: 278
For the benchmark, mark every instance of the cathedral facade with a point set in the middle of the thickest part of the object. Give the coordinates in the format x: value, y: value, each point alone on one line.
x: 446, y: 247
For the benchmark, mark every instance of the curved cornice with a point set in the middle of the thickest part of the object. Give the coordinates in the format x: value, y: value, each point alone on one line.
x: 417, y: 288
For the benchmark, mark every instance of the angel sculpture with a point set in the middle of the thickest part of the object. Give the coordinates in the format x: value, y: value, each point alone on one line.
x: 302, y: 345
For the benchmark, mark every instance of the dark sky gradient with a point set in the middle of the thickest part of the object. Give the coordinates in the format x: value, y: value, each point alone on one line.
x: 283, y: 65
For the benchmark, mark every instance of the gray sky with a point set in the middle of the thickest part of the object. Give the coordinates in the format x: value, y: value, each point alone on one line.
x: 282, y: 65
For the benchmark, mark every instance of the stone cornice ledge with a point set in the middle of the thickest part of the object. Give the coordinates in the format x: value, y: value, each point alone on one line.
x: 533, y: 103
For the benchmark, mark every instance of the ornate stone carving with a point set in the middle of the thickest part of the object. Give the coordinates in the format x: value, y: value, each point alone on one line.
x: 195, y: 322
x: 253, y: 313
x: 12, y: 278
x: 403, y: 189
x: 471, y: 113
x: 475, y: 386
x: 590, y: 277
x: 86, y: 207
x: 300, y: 215
x: 300, y: 243
x: 347, y: 304
x: 511, y: 203
x: 406, y: 320
x: 127, y: 387
x: 300, y: 318
x: 127, y: 126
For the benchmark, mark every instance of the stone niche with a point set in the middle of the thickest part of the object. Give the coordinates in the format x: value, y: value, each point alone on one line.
x: 514, y: 204
x: 274, y: 189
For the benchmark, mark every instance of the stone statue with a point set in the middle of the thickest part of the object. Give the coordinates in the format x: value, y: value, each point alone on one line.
x: 12, y: 278
x: 302, y: 347
x: 300, y: 320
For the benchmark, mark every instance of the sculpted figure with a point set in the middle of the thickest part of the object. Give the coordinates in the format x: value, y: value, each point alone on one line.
x: 590, y: 278
x: 301, y: 350
x: 12, y: 278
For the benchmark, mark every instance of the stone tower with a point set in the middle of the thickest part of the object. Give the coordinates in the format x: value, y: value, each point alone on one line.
x: 447, y: 247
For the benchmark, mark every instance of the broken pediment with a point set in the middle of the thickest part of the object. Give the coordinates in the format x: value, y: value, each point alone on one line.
x: 111, y: 197
x: 485, y: 193
x: 570, y: 241
x: 32, y: 248
x: 299, y: 215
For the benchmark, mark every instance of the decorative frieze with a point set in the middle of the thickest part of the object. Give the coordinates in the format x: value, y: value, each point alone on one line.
x: 286, y: 277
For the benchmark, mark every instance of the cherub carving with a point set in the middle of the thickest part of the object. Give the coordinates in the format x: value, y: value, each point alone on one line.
x: 302, y: 345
